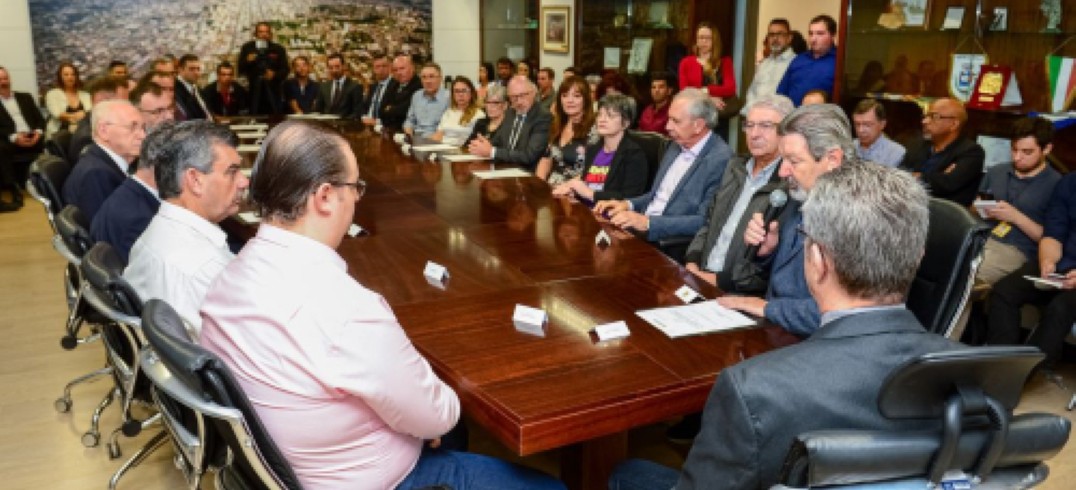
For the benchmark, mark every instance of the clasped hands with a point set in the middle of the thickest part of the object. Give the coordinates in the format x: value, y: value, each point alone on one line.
x: 620, y: 214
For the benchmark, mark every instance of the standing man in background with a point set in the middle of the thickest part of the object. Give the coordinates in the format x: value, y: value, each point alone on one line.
x: 265, y: 64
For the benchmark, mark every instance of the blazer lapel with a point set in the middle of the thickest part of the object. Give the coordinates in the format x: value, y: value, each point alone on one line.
x: 694, y: 166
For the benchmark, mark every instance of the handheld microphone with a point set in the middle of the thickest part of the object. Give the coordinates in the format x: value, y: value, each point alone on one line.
x: 778, y: 199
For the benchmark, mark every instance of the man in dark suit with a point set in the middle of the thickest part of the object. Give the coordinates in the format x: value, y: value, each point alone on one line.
x: 687, y: 179
x: 101, y: 89
x: 127, y: 212
x: 118, y: 132
x: 369, y: 109
x: 225, y: 97
x: 524, y: 135
x: 265, y: 64
x: 336, y: 95
x: 396, y: 100
x: 189, y: 101
x: 831, y: 380
x: 951, y: 166
x: 21, y: 139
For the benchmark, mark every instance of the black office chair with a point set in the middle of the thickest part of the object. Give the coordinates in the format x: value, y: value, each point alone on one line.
x: 206, y: 410
x: 47, y: 175
x: 59, y: 145
x: 653, y: 145
x: 946, y: 274
x: 971, y: 394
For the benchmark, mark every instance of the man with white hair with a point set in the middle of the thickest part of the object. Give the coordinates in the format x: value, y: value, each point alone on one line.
x: 118, y: 131
x: 523, y: 136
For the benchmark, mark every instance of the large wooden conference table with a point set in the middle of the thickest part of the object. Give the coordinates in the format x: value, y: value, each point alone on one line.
x: 507, y: 242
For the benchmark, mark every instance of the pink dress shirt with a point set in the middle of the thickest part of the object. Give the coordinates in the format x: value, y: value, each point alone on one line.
x: 333, y: 377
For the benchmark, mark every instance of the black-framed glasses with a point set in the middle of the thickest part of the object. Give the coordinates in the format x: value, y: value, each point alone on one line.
x: 761, y: 125
x: 358, y: 185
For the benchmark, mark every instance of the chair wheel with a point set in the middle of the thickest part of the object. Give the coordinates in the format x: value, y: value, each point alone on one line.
x: 132, y: 428
x: 114, y: 451
x: 68, y: 342
x: 62, y: 405
x: 91, y: 439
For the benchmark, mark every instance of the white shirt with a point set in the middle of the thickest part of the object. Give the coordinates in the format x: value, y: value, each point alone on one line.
x: 456, y: 133
x: 675, y: 174
x: 768, y: 76
x: 118, y: 160
x: 176, y: 259
x: 12, y: 106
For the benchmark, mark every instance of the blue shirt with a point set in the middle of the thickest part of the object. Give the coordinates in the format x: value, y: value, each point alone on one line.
x: 425, y: 112
x: 1060, y: 223
x: 304, y: 95
x: 1030, y: 196
x: 884, y: 151
x: 807, y: 73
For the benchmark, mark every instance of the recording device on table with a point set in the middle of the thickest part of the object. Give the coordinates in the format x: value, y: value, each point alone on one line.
x: 778, y: 199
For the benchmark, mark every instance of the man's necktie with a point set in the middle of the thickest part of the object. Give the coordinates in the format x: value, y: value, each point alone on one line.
x: 335, y: 96
x: 375, y: 105
x: 516, y: 127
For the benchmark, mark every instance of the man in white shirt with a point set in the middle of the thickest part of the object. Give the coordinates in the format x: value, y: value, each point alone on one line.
x: 772, y: 68
x: 21, y: 140
x: 183, y: 250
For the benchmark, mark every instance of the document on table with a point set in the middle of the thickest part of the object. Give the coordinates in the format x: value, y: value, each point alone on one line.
x: 249, y: 127
x: 464, y: 157
x: 248, y: 148
x: 694, y: 319
x: 435, y: 147
x: 507, y: 173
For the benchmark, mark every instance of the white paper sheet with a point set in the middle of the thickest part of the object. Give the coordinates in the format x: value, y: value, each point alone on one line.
x: 507, y: 173
x: 464, y: 158
x: 249, y: 127
x: 694, y: 319
x: 435, y: 147
x: 248, y: 148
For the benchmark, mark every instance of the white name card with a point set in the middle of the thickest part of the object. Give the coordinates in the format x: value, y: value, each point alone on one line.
x: 603, y: 240
x: 406, y: 149
x: 687, y: 295
x: 529, y: 320
x: 355, y: 230
x: 377, y: 127
x: 249, y: 218
x: 435, y: 274
x: 612, y: 331
x: 399, y: 138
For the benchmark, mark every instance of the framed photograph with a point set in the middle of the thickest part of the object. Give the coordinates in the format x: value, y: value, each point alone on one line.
x: 905, y: 13
x: 954, y: 18
x: 1000, y: 21
x: 556, y: 28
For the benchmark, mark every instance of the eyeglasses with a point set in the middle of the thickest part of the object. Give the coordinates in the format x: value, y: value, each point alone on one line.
x: 359, y: 185
x: 934, y: 116
x: 461, y: 91
x: 130, y: 127
x: 776, y: 34
x: 762, y: 126
x: 519, y: 96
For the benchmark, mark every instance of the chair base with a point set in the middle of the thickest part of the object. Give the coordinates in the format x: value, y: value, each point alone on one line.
x: 63, y: 404
x: 155, y: 443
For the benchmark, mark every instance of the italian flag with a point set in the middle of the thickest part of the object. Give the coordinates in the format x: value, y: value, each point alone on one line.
x: 1059, y: 70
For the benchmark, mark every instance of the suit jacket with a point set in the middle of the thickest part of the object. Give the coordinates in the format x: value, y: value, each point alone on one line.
x: 363, y: 107
x: 959, y: 185
x: 345, y: 104
x: 737, y: 273
x: 627, y: 172
x: 274, y: 58
x: 531, y: 142
x: 124, y: 216
x: 188, y: 104
x: 33, y: 118
x: 237, y: 103
x: 396, y: 101
x: 788, y: 300
x: 91, y: 182
x: 829, y: 381
x: 686, y: 210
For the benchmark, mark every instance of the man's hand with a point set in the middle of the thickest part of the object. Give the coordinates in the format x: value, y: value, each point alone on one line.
x: 950, y: 168
x: 251, y: 57
x: 632, y: 220
x: 747, y: 304
x: 707, y: 276
x: 1005, y: 212
x: 27, y: 140
x: 269, y: 74
x: 756, y: 234
x: 480, y: 146
x: 608, y: 209
x: 1046, y: 268
x: 1070, y: 280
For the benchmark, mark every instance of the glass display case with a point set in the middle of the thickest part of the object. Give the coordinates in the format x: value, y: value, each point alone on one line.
x: 509, y: 28
x: 633, y: 36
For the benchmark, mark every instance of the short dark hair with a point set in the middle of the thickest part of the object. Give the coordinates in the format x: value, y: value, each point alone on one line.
x: 187, y: 58
x: 296, y: 157
x: 335, y: 56
x: 781, y: 21
x: 831, y: 25
x: 225, y: 65
x: 1037, y: 127
x: 549, y: 71
x: 262, y: 23
x: 866, y: 105
x: 114, y: 63
x: 107, y: 84
x: 504, y: 60
x: 664, y: 76
x: 190, y: 145
x: 145, y: 87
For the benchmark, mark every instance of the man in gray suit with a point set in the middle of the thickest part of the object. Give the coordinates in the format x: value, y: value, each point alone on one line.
x: 335, y: 95
x: 832, y: 379
x: 687, y: 179
x: 524, y: 135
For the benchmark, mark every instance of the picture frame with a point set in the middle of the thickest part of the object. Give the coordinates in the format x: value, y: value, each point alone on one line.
x: 954, y: 19
x: 555, y: 29
x: 905, y: 14
x: 1000, y: 21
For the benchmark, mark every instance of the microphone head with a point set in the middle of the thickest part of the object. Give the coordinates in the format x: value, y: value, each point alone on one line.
x: 778, y: 198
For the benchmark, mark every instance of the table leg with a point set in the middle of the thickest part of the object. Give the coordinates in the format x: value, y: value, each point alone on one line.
x: 587, y: 465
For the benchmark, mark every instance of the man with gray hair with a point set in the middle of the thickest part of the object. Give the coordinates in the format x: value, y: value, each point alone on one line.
x: 183, y: 250
x: 523, y: 136
x: 686, y: 181
x: 815, y: 139
x: 833, y: 378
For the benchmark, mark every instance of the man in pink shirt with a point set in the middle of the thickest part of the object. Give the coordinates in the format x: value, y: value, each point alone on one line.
x: 329, y: 370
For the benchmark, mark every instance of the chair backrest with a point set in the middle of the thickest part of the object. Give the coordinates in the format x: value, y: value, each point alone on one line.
x: 970, y: 393
x: 946, y: 274
x: 74, y: 230
x: 255, y: 462
x: 59, y: 145
x: 109, y: 294
x: 653, y: 145
x: 47, y: 176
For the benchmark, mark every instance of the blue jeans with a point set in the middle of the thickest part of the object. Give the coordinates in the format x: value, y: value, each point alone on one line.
x: 463, y: 471
x: 640, y: 474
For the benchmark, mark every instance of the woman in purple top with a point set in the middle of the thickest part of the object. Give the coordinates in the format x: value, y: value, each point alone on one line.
x: 616, y: 167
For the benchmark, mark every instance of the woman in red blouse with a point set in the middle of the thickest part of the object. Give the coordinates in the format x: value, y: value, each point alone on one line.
x: 708, y: 68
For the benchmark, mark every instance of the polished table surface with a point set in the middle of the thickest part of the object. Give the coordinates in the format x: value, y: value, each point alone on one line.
x: 507, y: 242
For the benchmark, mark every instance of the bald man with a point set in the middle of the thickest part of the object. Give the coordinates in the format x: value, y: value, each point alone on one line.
x: 950, y: 165
x: 396, y: 100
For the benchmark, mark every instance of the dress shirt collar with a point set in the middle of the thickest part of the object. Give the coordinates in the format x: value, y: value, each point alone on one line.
x: 831, y: 316
x: 118, y: 160
x: 146, y: 186
x: 765, y: 174
x: 438, y: 95
x: 787, y: 54
x: 696, y: 149
x: 185, y: 217
x: 302, y: 246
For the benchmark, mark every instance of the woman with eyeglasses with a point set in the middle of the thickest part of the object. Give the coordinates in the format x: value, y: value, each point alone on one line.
x: 616, y: 167
x: 569, y: 133
x: 496, y: 105
x: 458, y: 122
x: 67, y: 102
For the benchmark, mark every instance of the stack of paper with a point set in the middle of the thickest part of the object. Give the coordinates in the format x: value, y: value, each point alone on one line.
x: 694, y: 319
x: 507, y: 173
